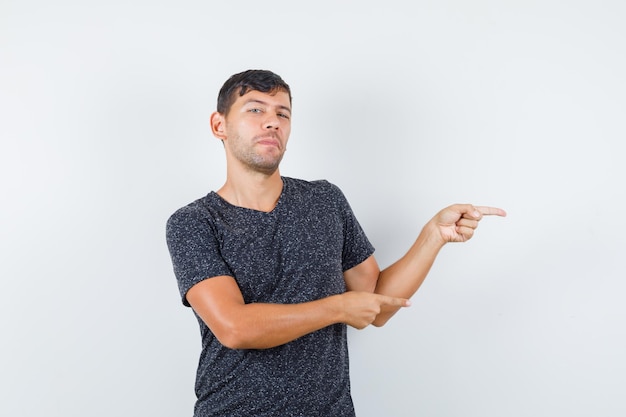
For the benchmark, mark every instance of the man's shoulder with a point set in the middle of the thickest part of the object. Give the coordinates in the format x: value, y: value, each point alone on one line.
x: 197, y: 209
x: 319, y: 194
x: 319, y: 185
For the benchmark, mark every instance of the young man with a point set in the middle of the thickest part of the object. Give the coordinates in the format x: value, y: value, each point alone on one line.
x: 275, y: 268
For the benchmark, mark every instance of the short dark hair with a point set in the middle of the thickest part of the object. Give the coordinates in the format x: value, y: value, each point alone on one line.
x: 250, y: 80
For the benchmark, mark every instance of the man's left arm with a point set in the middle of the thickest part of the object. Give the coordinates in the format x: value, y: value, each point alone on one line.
x: 403, y: 278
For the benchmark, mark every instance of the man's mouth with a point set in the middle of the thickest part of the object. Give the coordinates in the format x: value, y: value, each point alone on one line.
x: 269, y: 141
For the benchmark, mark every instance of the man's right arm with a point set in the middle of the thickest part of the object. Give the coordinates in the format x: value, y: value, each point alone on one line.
x: 237, y: 325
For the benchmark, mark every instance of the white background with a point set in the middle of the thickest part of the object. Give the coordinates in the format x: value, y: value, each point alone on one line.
x: 407, y: 106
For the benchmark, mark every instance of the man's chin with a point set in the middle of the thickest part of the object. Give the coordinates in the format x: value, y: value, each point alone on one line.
x: 266, y: 169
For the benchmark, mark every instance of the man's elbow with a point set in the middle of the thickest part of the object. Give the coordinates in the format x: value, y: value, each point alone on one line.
x: 232, y: 336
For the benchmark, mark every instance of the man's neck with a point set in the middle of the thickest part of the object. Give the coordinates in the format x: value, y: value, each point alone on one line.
x: 254, y: 191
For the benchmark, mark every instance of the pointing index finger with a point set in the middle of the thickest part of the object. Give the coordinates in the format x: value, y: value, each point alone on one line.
x: 491, y: 211
x: 395, y: 301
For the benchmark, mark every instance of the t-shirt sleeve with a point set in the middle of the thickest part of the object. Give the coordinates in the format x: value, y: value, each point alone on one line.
x: 194, y: 249
x: 356, y: 246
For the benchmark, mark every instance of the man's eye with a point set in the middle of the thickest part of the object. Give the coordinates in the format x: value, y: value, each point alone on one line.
x: 286, y: 116
x: 255, y: 110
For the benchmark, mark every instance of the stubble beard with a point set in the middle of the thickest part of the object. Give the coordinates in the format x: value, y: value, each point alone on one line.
x: 254, y: 161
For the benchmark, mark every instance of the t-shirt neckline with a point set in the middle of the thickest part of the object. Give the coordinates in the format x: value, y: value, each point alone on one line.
x: 251, y: 210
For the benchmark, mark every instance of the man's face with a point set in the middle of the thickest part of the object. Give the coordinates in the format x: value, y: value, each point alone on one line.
x: 256, y: 130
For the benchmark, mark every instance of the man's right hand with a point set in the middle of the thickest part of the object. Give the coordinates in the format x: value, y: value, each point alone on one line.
x: 361, y: 308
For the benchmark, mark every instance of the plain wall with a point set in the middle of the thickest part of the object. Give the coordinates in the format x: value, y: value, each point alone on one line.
x: 407, y: 106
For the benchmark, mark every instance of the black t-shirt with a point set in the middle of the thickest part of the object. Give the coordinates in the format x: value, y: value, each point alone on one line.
x: 295, y: 253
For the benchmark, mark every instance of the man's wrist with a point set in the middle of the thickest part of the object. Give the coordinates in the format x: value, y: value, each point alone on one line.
x: 432, y: 236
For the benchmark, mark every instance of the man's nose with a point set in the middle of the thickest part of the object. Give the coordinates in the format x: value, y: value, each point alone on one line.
x: 272, y: 121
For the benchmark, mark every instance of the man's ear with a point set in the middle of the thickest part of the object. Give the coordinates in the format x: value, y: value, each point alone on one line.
x: 218, y: 125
